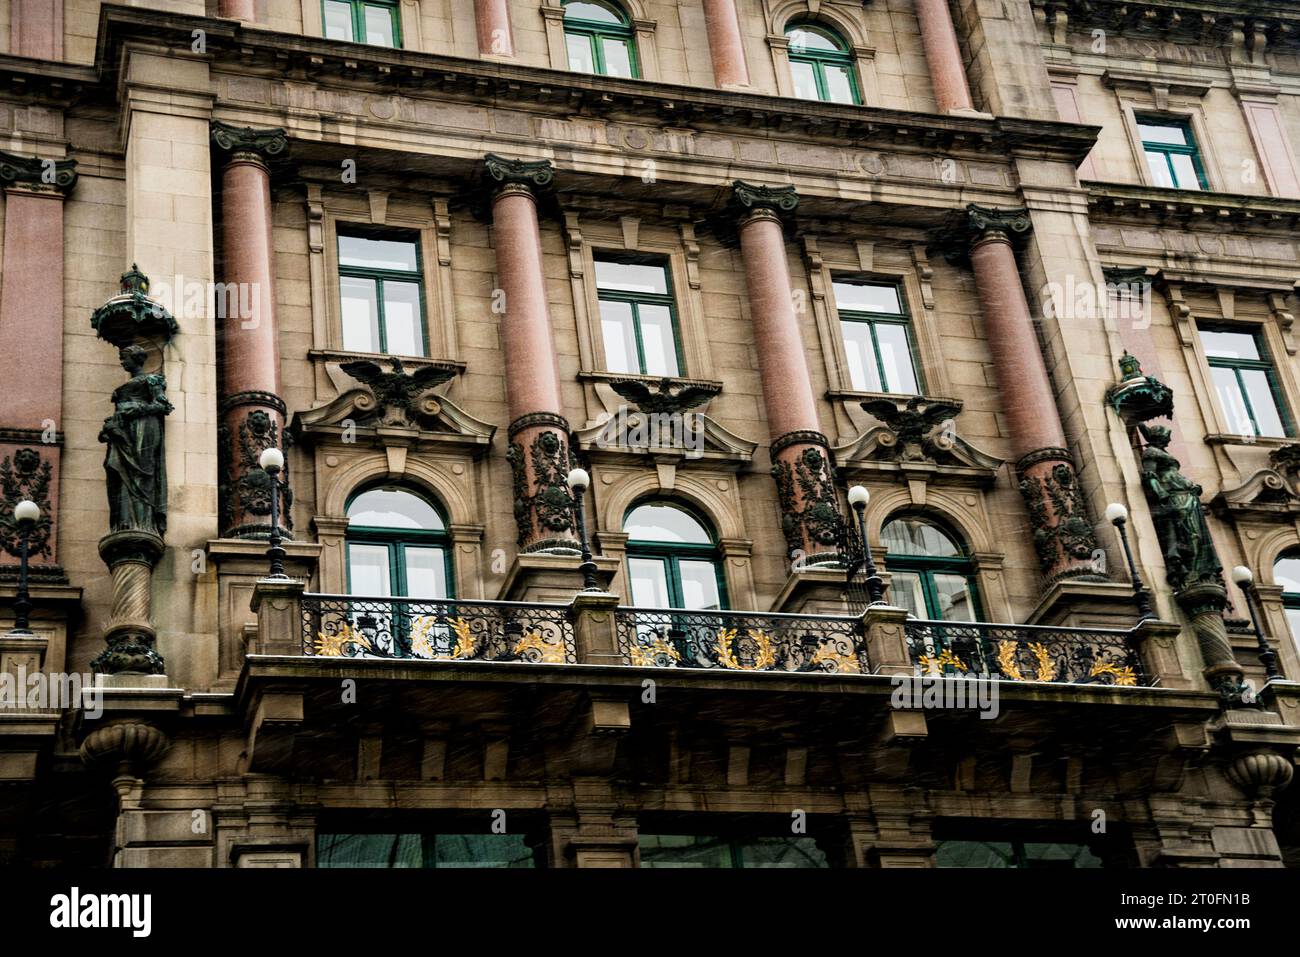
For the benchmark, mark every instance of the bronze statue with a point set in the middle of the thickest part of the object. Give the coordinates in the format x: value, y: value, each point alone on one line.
x: 134, y: 464
x: 1190, y: 556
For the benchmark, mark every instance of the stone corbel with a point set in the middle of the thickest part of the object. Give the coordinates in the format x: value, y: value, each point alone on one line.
x: 1285, y: 319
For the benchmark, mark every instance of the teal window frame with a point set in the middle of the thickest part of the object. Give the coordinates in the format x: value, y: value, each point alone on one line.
x: 672, y: 553
x: 637, y: 299
x: 396, y: 540
x: 925, y: 567
x: 819, y: 60
x: 428, y: 853
x: 594, y: 32
x: 872, y: 319
x: 1290, y: 599
x: 380, y: 275
x: 1166, y: 150
x: 1264, y: 364
x: 359, y: 19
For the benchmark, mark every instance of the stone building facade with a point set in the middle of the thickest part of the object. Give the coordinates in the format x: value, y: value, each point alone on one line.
x: 1001, y: 264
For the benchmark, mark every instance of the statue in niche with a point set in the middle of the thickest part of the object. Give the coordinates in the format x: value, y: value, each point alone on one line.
x: 1190, y: 556
x: 134, y: 464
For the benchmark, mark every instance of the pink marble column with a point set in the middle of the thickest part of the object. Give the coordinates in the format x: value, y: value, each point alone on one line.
x: 36, y: 28
x: 492, y: 22
x: 251, y: 411
x: 801, y: 459
x: 31, y: 348
x: 539, y: 434
x: 238, y: 10
x: 1062, y: 531
x: 942, y: 53
x: 726, y: 45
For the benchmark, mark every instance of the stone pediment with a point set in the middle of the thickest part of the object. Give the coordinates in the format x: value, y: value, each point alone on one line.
x: 664, y: 437
x: 394, y: 407
x: 917, y: 441
x: 1274, y: 489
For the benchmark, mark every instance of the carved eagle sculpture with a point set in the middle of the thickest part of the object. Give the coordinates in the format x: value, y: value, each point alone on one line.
x: 662, y: 398
x: 912, y: 423
x: 396, y: 390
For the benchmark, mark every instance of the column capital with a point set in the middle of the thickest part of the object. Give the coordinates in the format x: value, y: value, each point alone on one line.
x: 500, y: 173
x: 985, y: 221
x: 264, y: 143
x: 37, y: 174
x: 748, y: 199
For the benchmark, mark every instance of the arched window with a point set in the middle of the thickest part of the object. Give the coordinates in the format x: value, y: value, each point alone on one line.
x: 672, y: 559
x: 930, y: 573
x: 821, y: 64
x: 598, y: 37
x: 397, y: 546
x: 1286, y: 572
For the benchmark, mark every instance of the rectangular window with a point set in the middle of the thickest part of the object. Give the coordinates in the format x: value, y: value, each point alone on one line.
x: 688, y: 850
x: 362, y: 21
x: 1014, y: 854
x: 1245, y: 381
x: 638, y: 316
x: 381, y: 293
x: 423, y: 850
x: 1171, y: 153
x: 877, y: 337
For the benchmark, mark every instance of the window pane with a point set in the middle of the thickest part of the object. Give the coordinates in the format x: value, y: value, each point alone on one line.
x: 955, y: 600
x: 861, y: 357
x: 663, y: 523
x: 649, y: 579
x: 699, y: 584
x: 658, y: 341
x: 402, y: 318
x: 338, y: 20
x: 426, y: 572
x: 674, y: 850
x: 377, y: 253
x: 581, y: 59
x: 1230, y: 400
x: 805, y: 84
x: 368, y: 569
x: 1286, y: 572
x: 631, y: 277
x: 807, y: 38
x: 620, y: 339
x: 867, y: 297
x: 379, y: 26
x: 1293, y: 620
x: 360, y: 314
x: 1060, y: 855
x: 618, y: 58
x: 481, y: 850
x: 1174, y: 134
x: 905, y: 592
x: 393, y: 508
x: 1185, y: 171
x: 782, y: 852
x: 369, y: 850
x: 1229, y: 345
x: 974, y: 854
x: 598, y: 12
x: 1262, y: 402
x: 1159, y: 167
x: 896, y: 356
x: 913, y: 536
x: 839, y: 88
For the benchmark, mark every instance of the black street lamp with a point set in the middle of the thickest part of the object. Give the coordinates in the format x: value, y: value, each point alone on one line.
x: 1244, y: 579
x: 1117, y: 515
x: 578, y: 480
x: 858, y: 498
x: 272, y: 461
x: 26, y: 514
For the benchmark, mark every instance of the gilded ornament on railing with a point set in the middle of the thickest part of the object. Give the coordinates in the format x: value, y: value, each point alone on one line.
x: 1010, y: 668
x: 764, y: 657
x: 829, y: 657
x: 543, y: 651
x: 642, y: 656
x: 335, y: 645
x: 1123, y: 676
x: 931, y: 664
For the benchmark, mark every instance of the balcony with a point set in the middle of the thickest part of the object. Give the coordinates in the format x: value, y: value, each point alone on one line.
x: 346, y: 626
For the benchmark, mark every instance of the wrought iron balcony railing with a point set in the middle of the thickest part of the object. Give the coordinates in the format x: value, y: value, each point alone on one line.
x: 741, y: 641
x: 1026, y: 652
x: 346, y: 626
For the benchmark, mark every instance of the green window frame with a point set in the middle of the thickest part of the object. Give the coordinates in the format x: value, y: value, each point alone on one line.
x: 637, y: 301
x: 671, y: 554
x: 1236, y: 382
x: 1163, y: 156
x: 598, y: 37
x: 1286, y: 573
x: 822, y: 64
x: 876, y: 321
x: 356, y: 17
x: 396, y: 541
x: 929, y: 568
x: 711, y: 851
x: 423, y: 850
x: 380, y: 277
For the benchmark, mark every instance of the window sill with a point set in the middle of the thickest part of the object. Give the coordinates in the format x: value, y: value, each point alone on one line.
x: 1264, y: 441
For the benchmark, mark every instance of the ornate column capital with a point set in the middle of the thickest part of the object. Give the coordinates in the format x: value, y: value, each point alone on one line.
x: 34, y: 174
x: 993, y: 222
x: 501, y: 174
x: 751, y: 201
x: 246, y: 142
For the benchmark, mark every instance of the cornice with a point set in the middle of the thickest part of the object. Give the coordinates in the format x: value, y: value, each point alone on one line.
x: 1150, y: 204
x: 1208, y: 22
x: 293, y: 56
